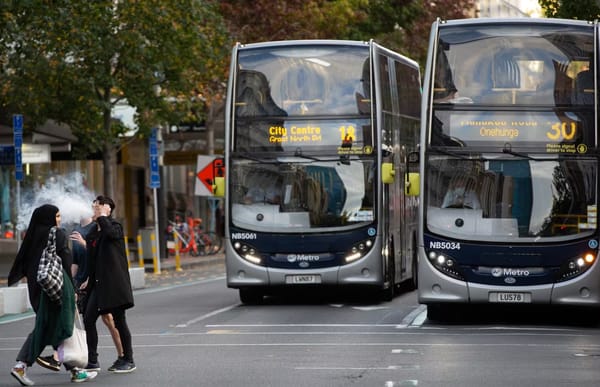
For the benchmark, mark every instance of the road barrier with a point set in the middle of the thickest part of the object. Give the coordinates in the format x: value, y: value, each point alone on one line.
x: 147, y: 248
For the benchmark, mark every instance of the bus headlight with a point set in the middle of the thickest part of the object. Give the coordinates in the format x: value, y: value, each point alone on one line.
x: 575, y: 266
x: 358, y: 251
x: 445, y: 264
x: 248, y: 252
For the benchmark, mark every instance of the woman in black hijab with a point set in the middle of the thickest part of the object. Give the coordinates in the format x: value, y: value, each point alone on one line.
x: 26, y: 265
x: 28, y: 258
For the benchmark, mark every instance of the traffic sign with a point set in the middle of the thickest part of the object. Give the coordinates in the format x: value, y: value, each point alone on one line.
x: 208, y: 168
x: 18, y: 143
x: 154, y: 172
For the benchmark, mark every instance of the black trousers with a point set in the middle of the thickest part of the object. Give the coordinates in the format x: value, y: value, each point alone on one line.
x: 89, y: 321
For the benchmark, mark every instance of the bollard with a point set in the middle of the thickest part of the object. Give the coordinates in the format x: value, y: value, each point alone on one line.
x: 140, y: 250
x: 154, y: 258
x: 177, y: 256
x: 126, y: 250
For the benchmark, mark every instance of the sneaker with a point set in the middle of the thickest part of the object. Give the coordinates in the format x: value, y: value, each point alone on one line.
x: 120, y: 360
x: 48, y: 362
x: 79, y: 376
x: 19, y: 373
x: 92, y: 366
x: 123, y: 366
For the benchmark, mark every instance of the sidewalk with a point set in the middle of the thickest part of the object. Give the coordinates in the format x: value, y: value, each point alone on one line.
x: 172, y: 273
x: 14, y: 300
x: 169, y: 267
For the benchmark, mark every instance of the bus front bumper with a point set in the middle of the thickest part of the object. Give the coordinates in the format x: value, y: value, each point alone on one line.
x: 435, y: 287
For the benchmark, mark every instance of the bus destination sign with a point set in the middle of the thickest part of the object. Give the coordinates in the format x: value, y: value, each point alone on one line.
x: 345, y: 136
x: 557, y: 134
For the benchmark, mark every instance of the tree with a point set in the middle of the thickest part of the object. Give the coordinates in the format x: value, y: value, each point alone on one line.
x: 287, y: 20
x: 74, y: 60
x: 401, y: 25
x: 571, y: 9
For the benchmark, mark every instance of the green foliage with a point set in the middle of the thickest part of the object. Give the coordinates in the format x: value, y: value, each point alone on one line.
x: 571, y: 9
x: 73, y: 60
x: 402, y: 25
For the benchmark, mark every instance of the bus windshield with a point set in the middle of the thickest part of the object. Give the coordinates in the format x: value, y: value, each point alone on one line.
x: 301, y: 195
x: 512, y: 133
x: 496, y: 198
x: 313, y: 98
x: 515, y: 64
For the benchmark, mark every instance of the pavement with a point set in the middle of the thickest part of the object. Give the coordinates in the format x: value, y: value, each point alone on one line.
x: 187, y: 269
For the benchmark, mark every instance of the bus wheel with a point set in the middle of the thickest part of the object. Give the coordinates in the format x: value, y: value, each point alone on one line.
x: 414, y: 280
x: 251, y: 296
x: 437, y: 312
x: 446, y: 312
x: 388, y: 293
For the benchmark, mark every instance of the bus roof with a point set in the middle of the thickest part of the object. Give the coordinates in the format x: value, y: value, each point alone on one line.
x: 521, y: 20
x: 304, y: 42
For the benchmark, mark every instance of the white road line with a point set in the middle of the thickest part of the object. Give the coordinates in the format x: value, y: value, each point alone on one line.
x: 207, y: 315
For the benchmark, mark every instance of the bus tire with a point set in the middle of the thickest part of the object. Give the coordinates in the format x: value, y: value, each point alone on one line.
x: 251, y: 296
x: 437, y: 312
x: 414, y: 280
x: 388, y: 293
x: 450, y: 313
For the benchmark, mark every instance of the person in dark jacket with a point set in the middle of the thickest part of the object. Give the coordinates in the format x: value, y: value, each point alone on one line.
x: 54, y: 321
x: 108, y: 284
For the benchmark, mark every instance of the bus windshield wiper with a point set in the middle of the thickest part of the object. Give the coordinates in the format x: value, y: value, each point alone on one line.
x: 454, y: 154
x: 298, y: 153
x: 508, y: 150
x: 253, y: 157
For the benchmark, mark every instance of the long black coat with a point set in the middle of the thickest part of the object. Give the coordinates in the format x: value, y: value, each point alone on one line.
x: 107, y: 266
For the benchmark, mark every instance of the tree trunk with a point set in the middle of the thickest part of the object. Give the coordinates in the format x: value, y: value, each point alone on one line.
x: 210, y: 130
x: 109, y: 159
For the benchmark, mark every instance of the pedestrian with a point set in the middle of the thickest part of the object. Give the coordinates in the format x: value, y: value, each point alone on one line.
x: 108, y: 284
x: 54, y: 320
x: 80, y: 274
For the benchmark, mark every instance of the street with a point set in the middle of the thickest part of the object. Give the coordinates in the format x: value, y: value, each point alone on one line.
x: 189, y: 329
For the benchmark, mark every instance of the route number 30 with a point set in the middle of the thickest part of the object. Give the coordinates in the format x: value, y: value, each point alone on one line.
x: 562, y: 131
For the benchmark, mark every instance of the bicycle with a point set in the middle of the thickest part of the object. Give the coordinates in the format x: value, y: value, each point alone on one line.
x: 208, y: 242
x: 181, y: 237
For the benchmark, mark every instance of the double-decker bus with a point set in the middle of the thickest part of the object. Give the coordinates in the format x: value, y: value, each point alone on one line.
x: 321, y: 137
x: 509, y: 154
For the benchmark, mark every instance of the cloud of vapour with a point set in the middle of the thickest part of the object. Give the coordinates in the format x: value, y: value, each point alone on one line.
x: 67, y: 192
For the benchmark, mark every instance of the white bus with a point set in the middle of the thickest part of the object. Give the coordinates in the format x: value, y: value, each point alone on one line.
x: 318, y: 138
x: 509, y: 153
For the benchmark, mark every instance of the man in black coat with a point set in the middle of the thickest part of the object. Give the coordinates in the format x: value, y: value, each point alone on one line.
x: 108, y: 285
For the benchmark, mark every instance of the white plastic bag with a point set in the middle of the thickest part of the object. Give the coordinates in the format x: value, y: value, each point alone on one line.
x: 73, y: 351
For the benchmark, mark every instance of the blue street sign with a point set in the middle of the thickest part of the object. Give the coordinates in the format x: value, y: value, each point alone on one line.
x: 18, y: 143
x: 154, y: 173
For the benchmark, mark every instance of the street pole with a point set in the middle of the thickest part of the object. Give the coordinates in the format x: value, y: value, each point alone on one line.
x: 155, y: 184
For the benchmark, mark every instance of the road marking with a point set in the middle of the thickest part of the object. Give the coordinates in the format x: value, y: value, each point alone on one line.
x: 402, y: 383
x: 207, y: 315
x: 388, y: 368
x: 406, y: 351
x: 414, y: 318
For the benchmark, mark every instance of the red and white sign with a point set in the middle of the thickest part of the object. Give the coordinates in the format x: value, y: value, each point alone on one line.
x: 208, y: 168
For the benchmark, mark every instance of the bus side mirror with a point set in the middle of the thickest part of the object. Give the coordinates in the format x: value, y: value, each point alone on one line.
x: 218, y: 187
x: 387, y: 173
x: 412, y: 184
